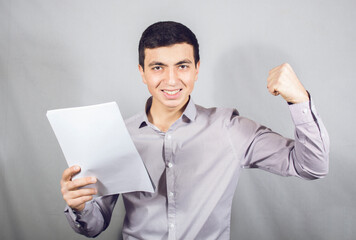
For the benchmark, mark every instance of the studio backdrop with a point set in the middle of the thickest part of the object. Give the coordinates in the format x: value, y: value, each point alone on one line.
x: 68, y: 53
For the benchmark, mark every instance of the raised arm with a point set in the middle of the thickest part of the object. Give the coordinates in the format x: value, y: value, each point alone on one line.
x: 306, y: 156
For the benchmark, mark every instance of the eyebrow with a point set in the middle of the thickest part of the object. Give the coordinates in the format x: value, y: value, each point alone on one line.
x: 154, y: 63
x: 185, y: 61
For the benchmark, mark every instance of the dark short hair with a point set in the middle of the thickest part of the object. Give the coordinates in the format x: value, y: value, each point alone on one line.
x: 162, y: 34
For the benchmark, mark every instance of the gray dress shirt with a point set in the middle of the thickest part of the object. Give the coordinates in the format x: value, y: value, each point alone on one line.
x: 196, y: 165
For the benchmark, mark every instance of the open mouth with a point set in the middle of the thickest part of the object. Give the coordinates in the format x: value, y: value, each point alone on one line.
x: 172, y: 92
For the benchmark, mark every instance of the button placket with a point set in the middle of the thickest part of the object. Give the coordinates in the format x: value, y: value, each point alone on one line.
x: 170, y: 185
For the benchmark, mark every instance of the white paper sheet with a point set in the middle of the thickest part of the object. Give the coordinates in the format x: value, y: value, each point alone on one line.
x: 95, y: 138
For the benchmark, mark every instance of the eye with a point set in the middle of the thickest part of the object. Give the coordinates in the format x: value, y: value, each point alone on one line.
x: 157, y: 68
x: 183, y: 66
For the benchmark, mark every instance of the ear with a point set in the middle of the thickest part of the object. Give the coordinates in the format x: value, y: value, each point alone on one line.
x: 197, y: 70
x: 142, y: 72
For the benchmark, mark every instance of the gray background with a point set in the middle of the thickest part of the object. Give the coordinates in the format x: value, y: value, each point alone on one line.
x: 67, y: 53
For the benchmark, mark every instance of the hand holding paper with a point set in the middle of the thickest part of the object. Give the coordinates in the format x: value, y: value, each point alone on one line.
x: 73, y: 194
x: 96, y: 139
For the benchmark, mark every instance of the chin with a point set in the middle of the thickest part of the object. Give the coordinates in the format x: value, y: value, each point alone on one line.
x: 173, y: 103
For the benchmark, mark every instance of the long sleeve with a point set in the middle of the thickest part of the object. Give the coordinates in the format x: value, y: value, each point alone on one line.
x: 307, y: 156
x: 94, y: 218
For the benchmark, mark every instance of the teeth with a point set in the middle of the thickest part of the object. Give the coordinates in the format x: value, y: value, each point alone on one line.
x: 171, y: 92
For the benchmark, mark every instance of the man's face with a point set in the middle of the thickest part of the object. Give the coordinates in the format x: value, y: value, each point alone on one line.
x: 170, y: 74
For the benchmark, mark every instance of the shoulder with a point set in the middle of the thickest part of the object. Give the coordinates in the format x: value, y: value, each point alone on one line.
x: 228, y: 117
x: 134, y: 121
x: 216, y: 113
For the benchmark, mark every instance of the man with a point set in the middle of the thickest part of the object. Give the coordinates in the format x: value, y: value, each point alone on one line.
x: 195, y: 155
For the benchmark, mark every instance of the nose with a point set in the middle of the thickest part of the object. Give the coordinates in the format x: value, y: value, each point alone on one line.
x: 172, y: 77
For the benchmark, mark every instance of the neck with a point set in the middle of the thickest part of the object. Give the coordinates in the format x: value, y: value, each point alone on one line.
x: 162, y: 116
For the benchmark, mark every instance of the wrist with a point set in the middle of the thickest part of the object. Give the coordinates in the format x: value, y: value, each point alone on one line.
x: 304, y: 97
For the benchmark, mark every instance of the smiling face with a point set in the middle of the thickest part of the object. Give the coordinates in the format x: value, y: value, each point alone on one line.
x: 170, y: 73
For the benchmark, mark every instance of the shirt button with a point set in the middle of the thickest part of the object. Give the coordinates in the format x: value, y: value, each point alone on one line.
x: 305, y: 111
x: 170, y: 165
x: 171, y: 225
x: 170, y: 194
x: 169, y: 137
x: 77, y: 225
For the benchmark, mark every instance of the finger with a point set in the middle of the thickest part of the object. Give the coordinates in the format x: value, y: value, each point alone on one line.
x: 273, y: 77
x: 275, y: 69
x: 287, y: 67
x: 282, y: 68
x: 273, y: 82
x: 74, y: 203
x: 273, y: 91
x: 69, y: 173
x: 80, y: 182
x: 79, y: 193
x: 273, y: 86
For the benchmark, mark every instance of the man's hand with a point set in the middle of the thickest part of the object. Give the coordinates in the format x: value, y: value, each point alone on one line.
x: 74, y: 197
x: 283, y: 81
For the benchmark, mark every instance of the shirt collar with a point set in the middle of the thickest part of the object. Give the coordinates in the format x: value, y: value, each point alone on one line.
x: 188, y: 115
x: 191, y: 110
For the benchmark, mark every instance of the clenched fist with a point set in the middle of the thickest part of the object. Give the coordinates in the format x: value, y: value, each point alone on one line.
x: 283, y: 81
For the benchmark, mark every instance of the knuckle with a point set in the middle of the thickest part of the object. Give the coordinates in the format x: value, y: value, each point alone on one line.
x: 285, y: 67
x: 83, y: 199
x: 63, y: 190
x: 72, y: 185
x: 70, y: 202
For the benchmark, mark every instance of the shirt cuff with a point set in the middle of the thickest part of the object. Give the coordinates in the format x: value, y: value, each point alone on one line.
x: 302, y: 112
x: 75, y: 216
